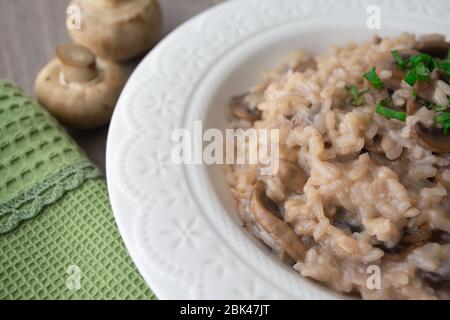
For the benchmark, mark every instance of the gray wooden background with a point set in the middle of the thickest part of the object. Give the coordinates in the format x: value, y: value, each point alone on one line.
x: 30, y: 30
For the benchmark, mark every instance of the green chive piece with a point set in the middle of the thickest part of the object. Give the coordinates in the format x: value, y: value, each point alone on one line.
x: 411, y: 78
x: 388, y: 112
x: 446, y: 127
x: 437, y: 107
x: 398, y: 58
x: 422, y: 72
x: 374, y: 79
x: 445, y: 66
x: 442, y: 117
x: 357, y: 96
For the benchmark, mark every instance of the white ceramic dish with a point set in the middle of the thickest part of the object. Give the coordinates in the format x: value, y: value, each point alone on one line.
x: 179, y: 223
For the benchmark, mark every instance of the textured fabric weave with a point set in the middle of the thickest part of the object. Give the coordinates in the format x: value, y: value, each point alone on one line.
x: 69, y: 248
x: 78, y: 232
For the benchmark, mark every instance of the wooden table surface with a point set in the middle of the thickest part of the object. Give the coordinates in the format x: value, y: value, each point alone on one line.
x: 30, y: 30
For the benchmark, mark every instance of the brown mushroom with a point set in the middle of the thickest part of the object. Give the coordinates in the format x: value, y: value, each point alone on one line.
x: 118, y: 29
x: 440, y: 237
x: 434, y: 45
x: 240, y: 108
x: 387, y: 62
x: 292, y: 176
x: 374, y: 145
x: 265, y: 213
x: 435, y: 279
x: 345, y: 221
x: 79, y: 89
x: 307, y: 64
x: 433, y: 139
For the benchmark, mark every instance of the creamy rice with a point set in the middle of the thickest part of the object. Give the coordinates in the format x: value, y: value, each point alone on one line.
x: 357, y: 189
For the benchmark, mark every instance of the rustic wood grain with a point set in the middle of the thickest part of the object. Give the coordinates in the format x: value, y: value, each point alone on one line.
x: 30, y: 30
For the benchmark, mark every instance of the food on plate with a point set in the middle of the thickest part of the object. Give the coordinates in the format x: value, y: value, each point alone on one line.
x: 78, y: 88
x: 118, y: 29
x: 364, y: 171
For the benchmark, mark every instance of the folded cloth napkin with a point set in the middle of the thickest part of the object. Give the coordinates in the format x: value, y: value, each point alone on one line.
x: 58, y: 237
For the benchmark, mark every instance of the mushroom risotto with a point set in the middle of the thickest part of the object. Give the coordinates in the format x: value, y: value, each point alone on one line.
x: 364, y: 166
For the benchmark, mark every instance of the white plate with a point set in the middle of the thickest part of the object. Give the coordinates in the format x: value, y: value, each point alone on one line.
x: 179, y: 223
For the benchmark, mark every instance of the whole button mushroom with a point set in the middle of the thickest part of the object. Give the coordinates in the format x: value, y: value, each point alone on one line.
x: 118, y: 29
x: 78, y: 89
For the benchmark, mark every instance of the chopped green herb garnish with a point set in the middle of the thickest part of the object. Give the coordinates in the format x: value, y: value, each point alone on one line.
x: 411, y: 78
x: 419, y: 67
x: 422, y: 72
x: 414, y: 94
x: 357, y: 96
x: 428, y: 61
x: 446, y: 127
x: 442, y: 117
x: 398, y: 58
x: 387, y: 112
x: 430, y: 105
x: 437, y: 107
x: 374, y: 79
x: 445, y: 66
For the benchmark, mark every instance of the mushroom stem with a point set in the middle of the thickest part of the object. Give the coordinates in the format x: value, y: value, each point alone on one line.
x: 78, y: 63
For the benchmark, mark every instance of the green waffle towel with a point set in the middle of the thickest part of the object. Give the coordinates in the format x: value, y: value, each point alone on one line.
x: 58, y: 237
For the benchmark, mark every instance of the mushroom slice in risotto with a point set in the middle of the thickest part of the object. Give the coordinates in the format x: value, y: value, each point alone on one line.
x: 241, y: 108
x: 266, y: 214
x: 433, y: 44
x: 432, y: 139
x: 292, y: 176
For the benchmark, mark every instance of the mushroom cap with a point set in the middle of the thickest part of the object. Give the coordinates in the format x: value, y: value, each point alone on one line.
x: 118, y: 30
x: 433, y: 139
x: 433, y: 44
x: 80, y: 105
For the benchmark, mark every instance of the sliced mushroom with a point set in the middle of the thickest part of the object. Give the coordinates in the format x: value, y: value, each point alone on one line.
x: 79, y: 89
x: 374, y: 145
x: 343, y: 220
x: 435, y: 279
x: 292, y: 176
x: 432, y: 139
x: 434, y: 45
x: 387, y: 62
x: 416, y: 236
x: 412, y: 106
x: 240, y: 108
x: 265, y: 213
x: 307, y: 64
x: 440, y: 237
